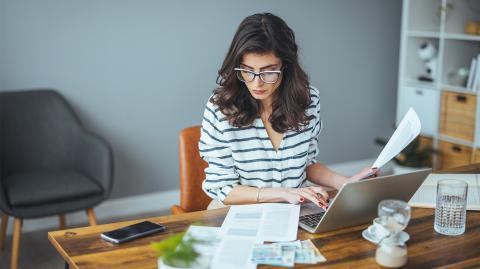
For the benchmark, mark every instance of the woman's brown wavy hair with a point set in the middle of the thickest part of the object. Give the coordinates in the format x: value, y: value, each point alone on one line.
x: 264, y: 33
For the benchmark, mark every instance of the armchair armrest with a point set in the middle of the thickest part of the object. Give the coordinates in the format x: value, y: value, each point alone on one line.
x: 176, y: 209
x: 4, y: 204
x: 94, y: 158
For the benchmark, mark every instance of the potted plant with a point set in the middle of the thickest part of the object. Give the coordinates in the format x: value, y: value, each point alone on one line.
x: 177, y: 252
x: 413, y: 157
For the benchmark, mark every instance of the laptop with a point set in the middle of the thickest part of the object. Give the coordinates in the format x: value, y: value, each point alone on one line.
x: 356, y: 202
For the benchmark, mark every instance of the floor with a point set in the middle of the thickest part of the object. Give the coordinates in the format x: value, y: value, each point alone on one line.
x: 37, y: 252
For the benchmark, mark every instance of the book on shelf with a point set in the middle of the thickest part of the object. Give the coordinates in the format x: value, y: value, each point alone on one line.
x: 476, y: 76
x: 471, y: 72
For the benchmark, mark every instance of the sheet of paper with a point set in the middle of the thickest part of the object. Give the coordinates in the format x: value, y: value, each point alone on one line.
x: 248, y: 225
x: 272, y: 222
x: 427, y: 193
x: 235, y: 252
x: 407, y: 130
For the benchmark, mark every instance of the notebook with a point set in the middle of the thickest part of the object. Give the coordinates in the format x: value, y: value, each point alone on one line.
x: 426, y: 194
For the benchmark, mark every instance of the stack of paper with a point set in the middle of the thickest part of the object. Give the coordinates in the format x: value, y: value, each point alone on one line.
x: 248, y: 225
x: 427, y: 193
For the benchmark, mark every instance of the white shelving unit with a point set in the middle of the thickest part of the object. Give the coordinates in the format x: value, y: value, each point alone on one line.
x: 442, y: 23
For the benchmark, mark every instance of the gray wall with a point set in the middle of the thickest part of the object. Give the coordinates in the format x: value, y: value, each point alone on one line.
x: 137, y: 72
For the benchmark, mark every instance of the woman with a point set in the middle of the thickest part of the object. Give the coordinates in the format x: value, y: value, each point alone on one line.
x: 260, y: 127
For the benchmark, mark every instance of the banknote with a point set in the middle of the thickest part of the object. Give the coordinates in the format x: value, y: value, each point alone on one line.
x: 287, y: 253
x: 267, y: 253
x: 305, y: 255
x: 308, y: 244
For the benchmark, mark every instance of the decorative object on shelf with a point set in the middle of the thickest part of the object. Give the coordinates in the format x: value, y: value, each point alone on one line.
x: 413, y: 157
x: 175, y: 252
x: 428, y: 54
x: 471, y: 27
x: 458, y: 77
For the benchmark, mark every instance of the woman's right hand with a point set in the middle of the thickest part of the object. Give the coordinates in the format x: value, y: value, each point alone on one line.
x: 317, y: 195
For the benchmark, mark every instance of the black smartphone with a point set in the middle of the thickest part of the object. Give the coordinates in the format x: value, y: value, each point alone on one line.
x: 132, y: 232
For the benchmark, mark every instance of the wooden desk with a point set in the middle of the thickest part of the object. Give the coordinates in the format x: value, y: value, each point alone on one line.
x: 82, y: 248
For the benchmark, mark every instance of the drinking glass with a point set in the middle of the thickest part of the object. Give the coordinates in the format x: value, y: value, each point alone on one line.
x: 451, y: 207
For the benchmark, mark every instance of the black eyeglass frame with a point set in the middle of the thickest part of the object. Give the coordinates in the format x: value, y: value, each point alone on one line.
x: 259, y: 74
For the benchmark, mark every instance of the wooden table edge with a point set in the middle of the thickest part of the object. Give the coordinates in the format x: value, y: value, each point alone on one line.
x: 59, y: 248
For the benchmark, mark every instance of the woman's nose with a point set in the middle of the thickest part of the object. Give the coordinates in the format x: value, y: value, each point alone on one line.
x: 257, y: 81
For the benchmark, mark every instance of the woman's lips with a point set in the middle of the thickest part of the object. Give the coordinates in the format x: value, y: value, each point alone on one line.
x: 259, y: 92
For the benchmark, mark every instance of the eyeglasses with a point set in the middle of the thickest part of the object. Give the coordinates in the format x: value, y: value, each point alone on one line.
x: 245, y: 75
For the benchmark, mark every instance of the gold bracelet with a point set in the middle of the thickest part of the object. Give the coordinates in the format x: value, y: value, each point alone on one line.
x: 258, y: 194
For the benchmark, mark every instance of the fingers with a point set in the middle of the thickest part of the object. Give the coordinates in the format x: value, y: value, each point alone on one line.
x: 310, y: 196
x: 322, y: 192
x: 374, y: 172
x: 322, y: 201
x: 366, y: 173
x: 322, y: 196
x: 315, y: 197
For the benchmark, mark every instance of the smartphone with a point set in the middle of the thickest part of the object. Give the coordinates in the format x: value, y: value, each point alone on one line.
x: 132, y: 232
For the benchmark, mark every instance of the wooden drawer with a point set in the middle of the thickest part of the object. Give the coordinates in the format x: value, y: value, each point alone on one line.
x: 477, y: 156
x: 453, y: 155
x: 457, y: 115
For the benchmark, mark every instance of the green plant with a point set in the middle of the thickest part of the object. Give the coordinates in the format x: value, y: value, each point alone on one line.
x: 413, y: 155
x: 176, y: 250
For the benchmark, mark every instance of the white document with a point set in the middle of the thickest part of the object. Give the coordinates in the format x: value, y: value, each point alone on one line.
x: 272, y: 222
x: 427, y: 193
x: 407, y: 130
x: 235, y: 252
x: 247, y: 225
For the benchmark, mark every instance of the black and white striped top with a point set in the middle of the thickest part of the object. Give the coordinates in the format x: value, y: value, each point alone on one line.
x: 246, y: 156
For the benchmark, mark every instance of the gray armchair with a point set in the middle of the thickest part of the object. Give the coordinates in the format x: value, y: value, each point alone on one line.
x: 49, y: 164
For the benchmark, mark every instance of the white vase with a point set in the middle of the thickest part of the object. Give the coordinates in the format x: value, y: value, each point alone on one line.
x: 400, y: 169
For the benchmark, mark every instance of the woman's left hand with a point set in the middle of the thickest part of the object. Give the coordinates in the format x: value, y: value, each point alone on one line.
x: 367, y: 172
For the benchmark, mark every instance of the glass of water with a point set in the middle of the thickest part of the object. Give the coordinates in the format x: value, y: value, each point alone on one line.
x: 451, y: 208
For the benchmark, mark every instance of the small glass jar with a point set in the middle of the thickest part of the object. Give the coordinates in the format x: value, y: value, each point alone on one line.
x: 391, y: 252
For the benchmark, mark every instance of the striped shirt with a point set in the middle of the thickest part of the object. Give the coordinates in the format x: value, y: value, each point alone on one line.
x: 245, y: 155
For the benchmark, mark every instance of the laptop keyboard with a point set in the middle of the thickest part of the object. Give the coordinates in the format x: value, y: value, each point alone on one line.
x: 312, y: 220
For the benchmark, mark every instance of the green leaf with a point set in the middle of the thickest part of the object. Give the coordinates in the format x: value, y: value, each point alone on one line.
x: 175, y: 251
